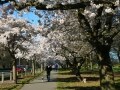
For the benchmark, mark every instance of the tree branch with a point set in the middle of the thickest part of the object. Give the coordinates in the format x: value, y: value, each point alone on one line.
x: 41, y: 6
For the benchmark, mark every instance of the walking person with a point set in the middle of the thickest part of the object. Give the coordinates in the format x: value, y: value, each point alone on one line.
x: 56, y: 67
x: 48, y: 71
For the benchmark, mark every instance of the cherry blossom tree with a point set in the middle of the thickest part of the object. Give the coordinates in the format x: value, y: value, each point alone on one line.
x: 15, y: 34
x: 68, y: 43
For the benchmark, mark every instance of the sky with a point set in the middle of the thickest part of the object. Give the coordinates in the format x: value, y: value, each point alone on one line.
x: 113, y: 55
x: 29, y: 16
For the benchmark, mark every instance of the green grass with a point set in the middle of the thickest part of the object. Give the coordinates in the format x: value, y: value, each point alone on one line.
x: 116, y: 68
x: 68, y: 81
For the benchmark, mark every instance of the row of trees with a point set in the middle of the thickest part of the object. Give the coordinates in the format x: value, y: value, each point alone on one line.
x: 92, y: 25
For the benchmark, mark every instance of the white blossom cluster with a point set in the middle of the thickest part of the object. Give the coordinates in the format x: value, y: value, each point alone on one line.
x: 90, y: 11
x: 22, y: 1
x: 54, y: 39
x: 10, y: 26
x: 41, y: 1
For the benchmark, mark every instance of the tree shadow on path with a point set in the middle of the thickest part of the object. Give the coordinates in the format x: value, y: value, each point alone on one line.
x: 80, y: 88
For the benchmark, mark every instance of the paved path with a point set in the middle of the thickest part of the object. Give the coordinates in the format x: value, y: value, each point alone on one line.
x: 39, y: 84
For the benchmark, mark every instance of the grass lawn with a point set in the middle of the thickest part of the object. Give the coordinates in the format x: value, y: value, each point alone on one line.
x: 67, y: 81
x: 20, y: 83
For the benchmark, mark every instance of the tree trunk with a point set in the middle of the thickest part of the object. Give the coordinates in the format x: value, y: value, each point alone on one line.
x: 14, y: 72
x: 91, y: 62
x: 33, y: 67
x: 91, y: 65
x: 86, y: 63
x: 78, y: 68
x: 78, y: 74
x: 106, y: 71
x: 41, y: 66
x: 67, y: 63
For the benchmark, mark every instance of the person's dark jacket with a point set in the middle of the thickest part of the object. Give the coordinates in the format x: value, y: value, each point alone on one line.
x: 48, y: 69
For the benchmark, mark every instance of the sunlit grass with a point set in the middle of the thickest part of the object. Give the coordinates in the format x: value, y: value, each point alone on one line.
x: 67, y: 81
x: 7, y: 86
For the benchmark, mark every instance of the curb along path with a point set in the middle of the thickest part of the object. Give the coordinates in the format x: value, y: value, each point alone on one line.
x: 39, y: 84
